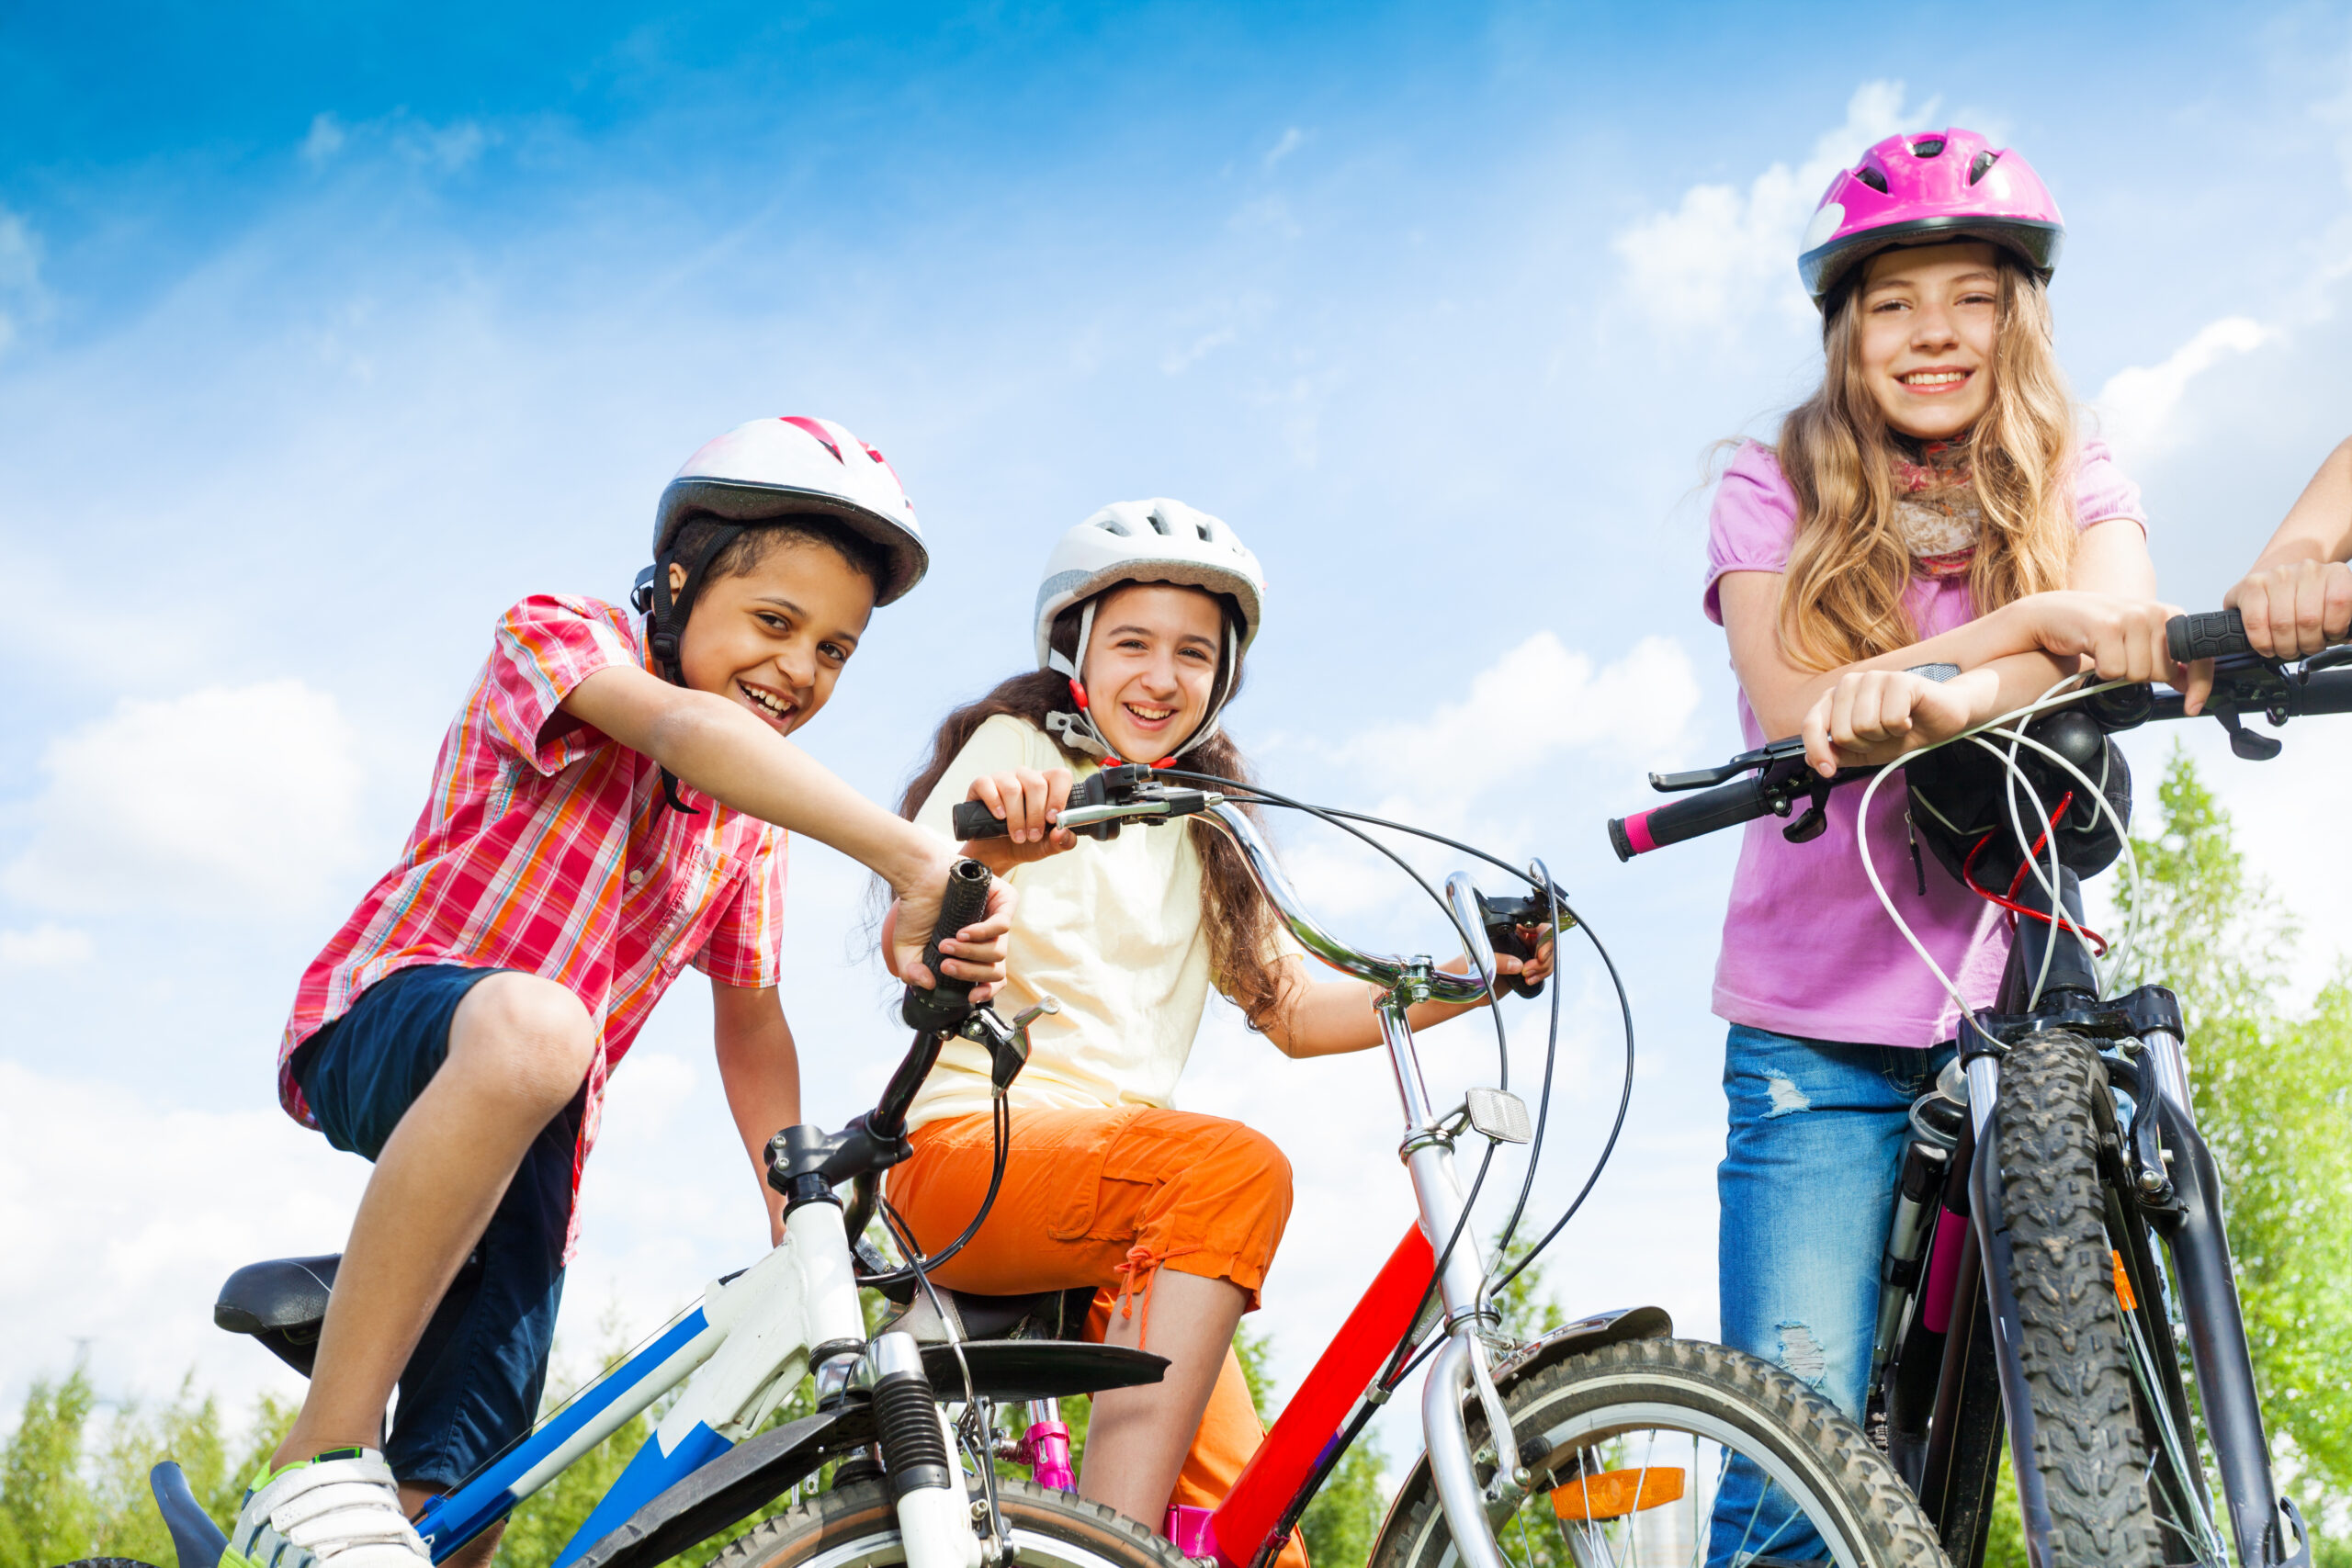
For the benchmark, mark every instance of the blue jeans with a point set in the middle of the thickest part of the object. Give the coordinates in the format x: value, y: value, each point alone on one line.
x: 472, y: 1385
x: 1808, y: 1191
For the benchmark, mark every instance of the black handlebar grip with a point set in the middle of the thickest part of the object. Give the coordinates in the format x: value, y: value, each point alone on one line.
x: 1726, y: 806
x: 973, y: 819
x: 2215, y: 636
x: 948, y: 1002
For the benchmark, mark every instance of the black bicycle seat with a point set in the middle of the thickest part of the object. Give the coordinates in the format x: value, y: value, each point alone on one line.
x: 282, y: 1302
x: 1046, y: 1314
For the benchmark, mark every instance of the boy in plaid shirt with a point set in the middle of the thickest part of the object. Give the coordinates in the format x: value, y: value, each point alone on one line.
x: 610, y: 805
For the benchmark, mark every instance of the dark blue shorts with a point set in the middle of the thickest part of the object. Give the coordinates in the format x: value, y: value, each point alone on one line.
x: 473, y: 1385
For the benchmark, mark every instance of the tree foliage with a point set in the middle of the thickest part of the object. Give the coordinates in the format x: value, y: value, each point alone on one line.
x: 2273, y: 1094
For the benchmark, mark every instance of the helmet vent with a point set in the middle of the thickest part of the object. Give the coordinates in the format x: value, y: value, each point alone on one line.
x: 1926, y: 147
x: 1114, y: 525
x: 1983, y: 166
x: 1871, y: 178
x: 1160, y: 525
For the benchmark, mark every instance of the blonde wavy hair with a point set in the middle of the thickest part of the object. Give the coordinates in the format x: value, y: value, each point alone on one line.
x: 1841, y: 597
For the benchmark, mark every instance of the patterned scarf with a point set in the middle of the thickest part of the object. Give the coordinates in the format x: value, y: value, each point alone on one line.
x: 1936, y: 512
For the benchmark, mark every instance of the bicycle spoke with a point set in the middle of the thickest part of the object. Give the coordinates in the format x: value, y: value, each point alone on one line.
x: 2207, y: 1541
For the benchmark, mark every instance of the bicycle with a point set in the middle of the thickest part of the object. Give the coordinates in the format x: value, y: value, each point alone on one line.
x: 753, y: 1340
x: 1548, y: 1426
x: 2019, y: 1282
x: 910, y: 1415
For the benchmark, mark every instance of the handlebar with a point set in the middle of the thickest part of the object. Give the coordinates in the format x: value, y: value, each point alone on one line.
x: 1104, y: 801
x: 1776, y: 776
x: 2217, y: 634
x: 948, y: 1000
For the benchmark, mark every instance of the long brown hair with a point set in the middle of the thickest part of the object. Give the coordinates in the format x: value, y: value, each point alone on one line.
x: 1234, y: 911
x: 1841, y: 599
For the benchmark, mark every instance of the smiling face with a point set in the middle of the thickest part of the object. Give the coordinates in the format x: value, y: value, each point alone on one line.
x: 1151, y: 664
x: 774, y: 636
x: 1929, y: 317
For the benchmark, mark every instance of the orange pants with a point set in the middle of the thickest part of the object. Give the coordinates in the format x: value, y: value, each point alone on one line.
x: 1106, y: 1198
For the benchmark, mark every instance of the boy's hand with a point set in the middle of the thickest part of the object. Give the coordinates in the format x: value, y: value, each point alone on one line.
x: 2294, y: 610
x: 1875, y: 715
x: 1030, y: 802
x: 975, y: 954
x: 2123, y: 639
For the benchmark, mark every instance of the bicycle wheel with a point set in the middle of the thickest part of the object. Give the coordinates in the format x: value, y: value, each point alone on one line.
x: 856, y: 1527
x: 1658, y: 1452
x: 2074, y: 1349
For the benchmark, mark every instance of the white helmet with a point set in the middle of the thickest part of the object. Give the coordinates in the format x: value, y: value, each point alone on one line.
x: 1145, y: 541
x: 774, y: 467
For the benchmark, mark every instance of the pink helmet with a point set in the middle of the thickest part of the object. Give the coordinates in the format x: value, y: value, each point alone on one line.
x: 1925, y: 188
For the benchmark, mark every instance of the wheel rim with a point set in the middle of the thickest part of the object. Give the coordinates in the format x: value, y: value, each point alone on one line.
x: 1035, y: 1546
x: 1649, y: 1438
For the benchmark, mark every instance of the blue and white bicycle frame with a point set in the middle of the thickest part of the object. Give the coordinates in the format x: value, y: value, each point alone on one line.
x: 746, y: 1347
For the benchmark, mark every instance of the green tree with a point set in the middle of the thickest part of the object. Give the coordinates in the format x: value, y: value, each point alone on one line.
x: 2274, y: 1101
x: 66, y: 1492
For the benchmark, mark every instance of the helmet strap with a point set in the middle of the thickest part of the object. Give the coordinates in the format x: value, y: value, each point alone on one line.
x: 665, y: 623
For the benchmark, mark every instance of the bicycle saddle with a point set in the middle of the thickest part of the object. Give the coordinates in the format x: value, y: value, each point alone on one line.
x: 283, y: 1301
x: 1046, y: 1314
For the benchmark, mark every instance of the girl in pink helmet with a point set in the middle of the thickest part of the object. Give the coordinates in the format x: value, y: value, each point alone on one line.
x: 1935, y: 502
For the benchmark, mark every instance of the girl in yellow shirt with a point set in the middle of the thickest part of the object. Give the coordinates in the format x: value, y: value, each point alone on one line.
x: 1144, y: 616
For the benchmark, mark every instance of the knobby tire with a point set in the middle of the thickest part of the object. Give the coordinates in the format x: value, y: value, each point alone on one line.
x: 2074, y: 1349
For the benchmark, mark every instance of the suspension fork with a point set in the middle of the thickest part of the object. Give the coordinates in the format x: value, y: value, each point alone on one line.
x: 2209, y: 1308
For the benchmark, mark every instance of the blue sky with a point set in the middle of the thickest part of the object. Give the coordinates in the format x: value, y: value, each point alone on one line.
x: 323, y: 337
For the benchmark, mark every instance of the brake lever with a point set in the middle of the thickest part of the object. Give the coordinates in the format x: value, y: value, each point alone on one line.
x: 1778, y: 751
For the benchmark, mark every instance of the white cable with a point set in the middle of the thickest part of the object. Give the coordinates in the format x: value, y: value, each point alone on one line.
x: 2042, y: 704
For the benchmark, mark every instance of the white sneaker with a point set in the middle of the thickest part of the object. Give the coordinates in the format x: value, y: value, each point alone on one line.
x: 339, y: 1511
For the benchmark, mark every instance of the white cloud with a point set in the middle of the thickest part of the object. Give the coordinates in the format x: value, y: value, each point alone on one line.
x: 22, y: 297
x: 2138, y: 403
x: 1725, y: 253
x: 45, y: 946
x: 1292, y: 139
x: 325, y: 140
x: 1177, y: 361
x: 123, y: 1217
x: 244, y: 794
x: 1535, y: 701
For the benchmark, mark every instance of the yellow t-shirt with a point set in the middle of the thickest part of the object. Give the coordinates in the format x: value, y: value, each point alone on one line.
x: 1113, y: 931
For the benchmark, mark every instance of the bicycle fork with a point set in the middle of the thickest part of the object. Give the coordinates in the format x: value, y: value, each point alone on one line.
x: 1427, y: 1153
x: 2179, y: 1169
x: 2176, y: 1177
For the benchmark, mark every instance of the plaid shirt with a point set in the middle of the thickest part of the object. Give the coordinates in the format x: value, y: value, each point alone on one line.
x: 540, y: 849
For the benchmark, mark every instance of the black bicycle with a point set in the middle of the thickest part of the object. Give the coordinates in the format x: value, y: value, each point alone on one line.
x: 2058, y: 1157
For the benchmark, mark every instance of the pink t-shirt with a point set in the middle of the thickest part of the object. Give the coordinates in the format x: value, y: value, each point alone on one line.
x: 1808, y: 949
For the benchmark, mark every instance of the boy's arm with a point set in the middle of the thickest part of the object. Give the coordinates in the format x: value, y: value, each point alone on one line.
x: 734, y: 757
x: 2297, y: 597
x: 760, y: 1070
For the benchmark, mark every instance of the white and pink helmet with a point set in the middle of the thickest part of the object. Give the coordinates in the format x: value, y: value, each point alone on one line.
x: 1924, y: 189
x: 778, y: 467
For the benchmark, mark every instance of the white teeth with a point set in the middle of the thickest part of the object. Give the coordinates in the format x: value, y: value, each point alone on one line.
x: 1935, y: 379
x: 773, y: 705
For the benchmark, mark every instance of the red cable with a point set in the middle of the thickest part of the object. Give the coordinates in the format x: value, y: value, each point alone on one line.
x: 1968, y: 878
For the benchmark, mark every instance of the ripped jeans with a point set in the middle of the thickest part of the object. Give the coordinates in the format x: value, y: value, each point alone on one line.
x: 1808, y: 1191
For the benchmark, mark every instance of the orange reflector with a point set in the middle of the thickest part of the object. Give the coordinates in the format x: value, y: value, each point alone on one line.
x: 1616, y: 1493
x: 2123, y: 1286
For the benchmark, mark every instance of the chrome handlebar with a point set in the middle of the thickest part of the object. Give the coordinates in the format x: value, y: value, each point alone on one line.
x: 1387, y: 971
